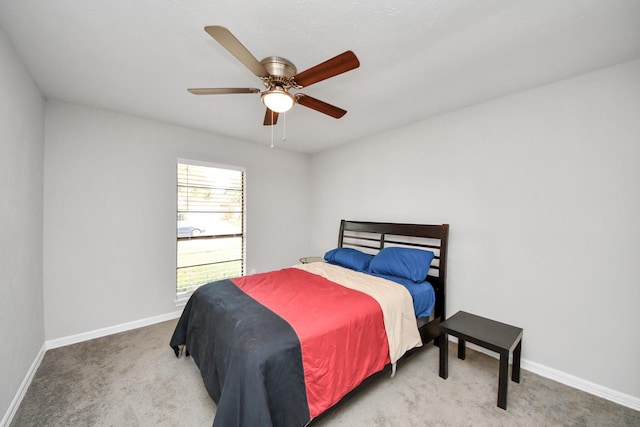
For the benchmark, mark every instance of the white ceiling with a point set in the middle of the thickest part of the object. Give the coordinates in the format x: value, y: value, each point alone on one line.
x: 419, y: 58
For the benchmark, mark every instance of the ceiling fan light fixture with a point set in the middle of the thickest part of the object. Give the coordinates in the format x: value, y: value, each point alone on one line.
x: 277, y: 99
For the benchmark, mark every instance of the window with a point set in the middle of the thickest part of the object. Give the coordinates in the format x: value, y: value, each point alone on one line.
x: 210, y: 224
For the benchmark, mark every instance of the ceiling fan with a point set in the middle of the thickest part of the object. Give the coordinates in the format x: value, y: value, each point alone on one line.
x: 279, y: 76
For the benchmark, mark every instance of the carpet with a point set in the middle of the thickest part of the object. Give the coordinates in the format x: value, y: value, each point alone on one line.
x: 134, y: 379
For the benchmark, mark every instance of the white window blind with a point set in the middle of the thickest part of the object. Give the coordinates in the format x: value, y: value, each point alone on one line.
x: 210, y: 224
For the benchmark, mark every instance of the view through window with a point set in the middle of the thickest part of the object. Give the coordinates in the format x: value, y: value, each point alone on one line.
x: 210, y: 224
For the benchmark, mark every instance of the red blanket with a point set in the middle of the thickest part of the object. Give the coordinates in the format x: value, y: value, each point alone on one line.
x: 341, y: 331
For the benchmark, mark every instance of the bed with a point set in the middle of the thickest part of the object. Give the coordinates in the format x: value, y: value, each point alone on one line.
x: 280, y: 348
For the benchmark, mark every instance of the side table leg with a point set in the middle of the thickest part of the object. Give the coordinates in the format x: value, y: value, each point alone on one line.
x: 444, y: 356
x: 515, y: 369
x: 462, y: 349
x: 503, y: 380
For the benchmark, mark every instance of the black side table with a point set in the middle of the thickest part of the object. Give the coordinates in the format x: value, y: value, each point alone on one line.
x: 310, y: 259
x: 492, y: 335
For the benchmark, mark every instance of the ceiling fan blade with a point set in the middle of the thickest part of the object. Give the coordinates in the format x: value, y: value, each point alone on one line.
x: 342, y: 63
x: 222, y: 91
x: 270, y: 118
x: 321, y: 106
x: 237, y: 49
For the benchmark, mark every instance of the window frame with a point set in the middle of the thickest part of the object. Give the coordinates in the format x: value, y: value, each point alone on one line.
x: 182, y: 297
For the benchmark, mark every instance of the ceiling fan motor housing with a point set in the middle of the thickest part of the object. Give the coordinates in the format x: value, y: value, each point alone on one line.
x: 281, y: 72
x: 280, y: 67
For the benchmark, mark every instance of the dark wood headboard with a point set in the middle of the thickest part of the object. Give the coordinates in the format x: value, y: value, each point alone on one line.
x: 371, y: 237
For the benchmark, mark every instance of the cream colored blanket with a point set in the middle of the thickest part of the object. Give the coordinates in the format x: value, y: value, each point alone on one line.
x: 394, y: 299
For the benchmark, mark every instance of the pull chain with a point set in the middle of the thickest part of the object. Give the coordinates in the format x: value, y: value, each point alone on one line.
x: 284, y: 127
x: 272, y: 126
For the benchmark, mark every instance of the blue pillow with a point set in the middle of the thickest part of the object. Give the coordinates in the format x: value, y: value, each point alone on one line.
x: 412, y: 264
x: 349, y: 258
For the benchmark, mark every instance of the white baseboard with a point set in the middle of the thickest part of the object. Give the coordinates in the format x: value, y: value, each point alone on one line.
x: 73, y: 339
x: 568, y: 379
x: 22, y: 390
x: 581, y: 384
x: 123, y: 327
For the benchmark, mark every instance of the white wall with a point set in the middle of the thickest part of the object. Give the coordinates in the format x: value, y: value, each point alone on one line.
x: 542, y: 193
x: 110, y: 201
x: 21, y: 154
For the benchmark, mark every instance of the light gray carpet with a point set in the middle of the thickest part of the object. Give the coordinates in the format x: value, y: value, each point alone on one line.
x: 134, y: 379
